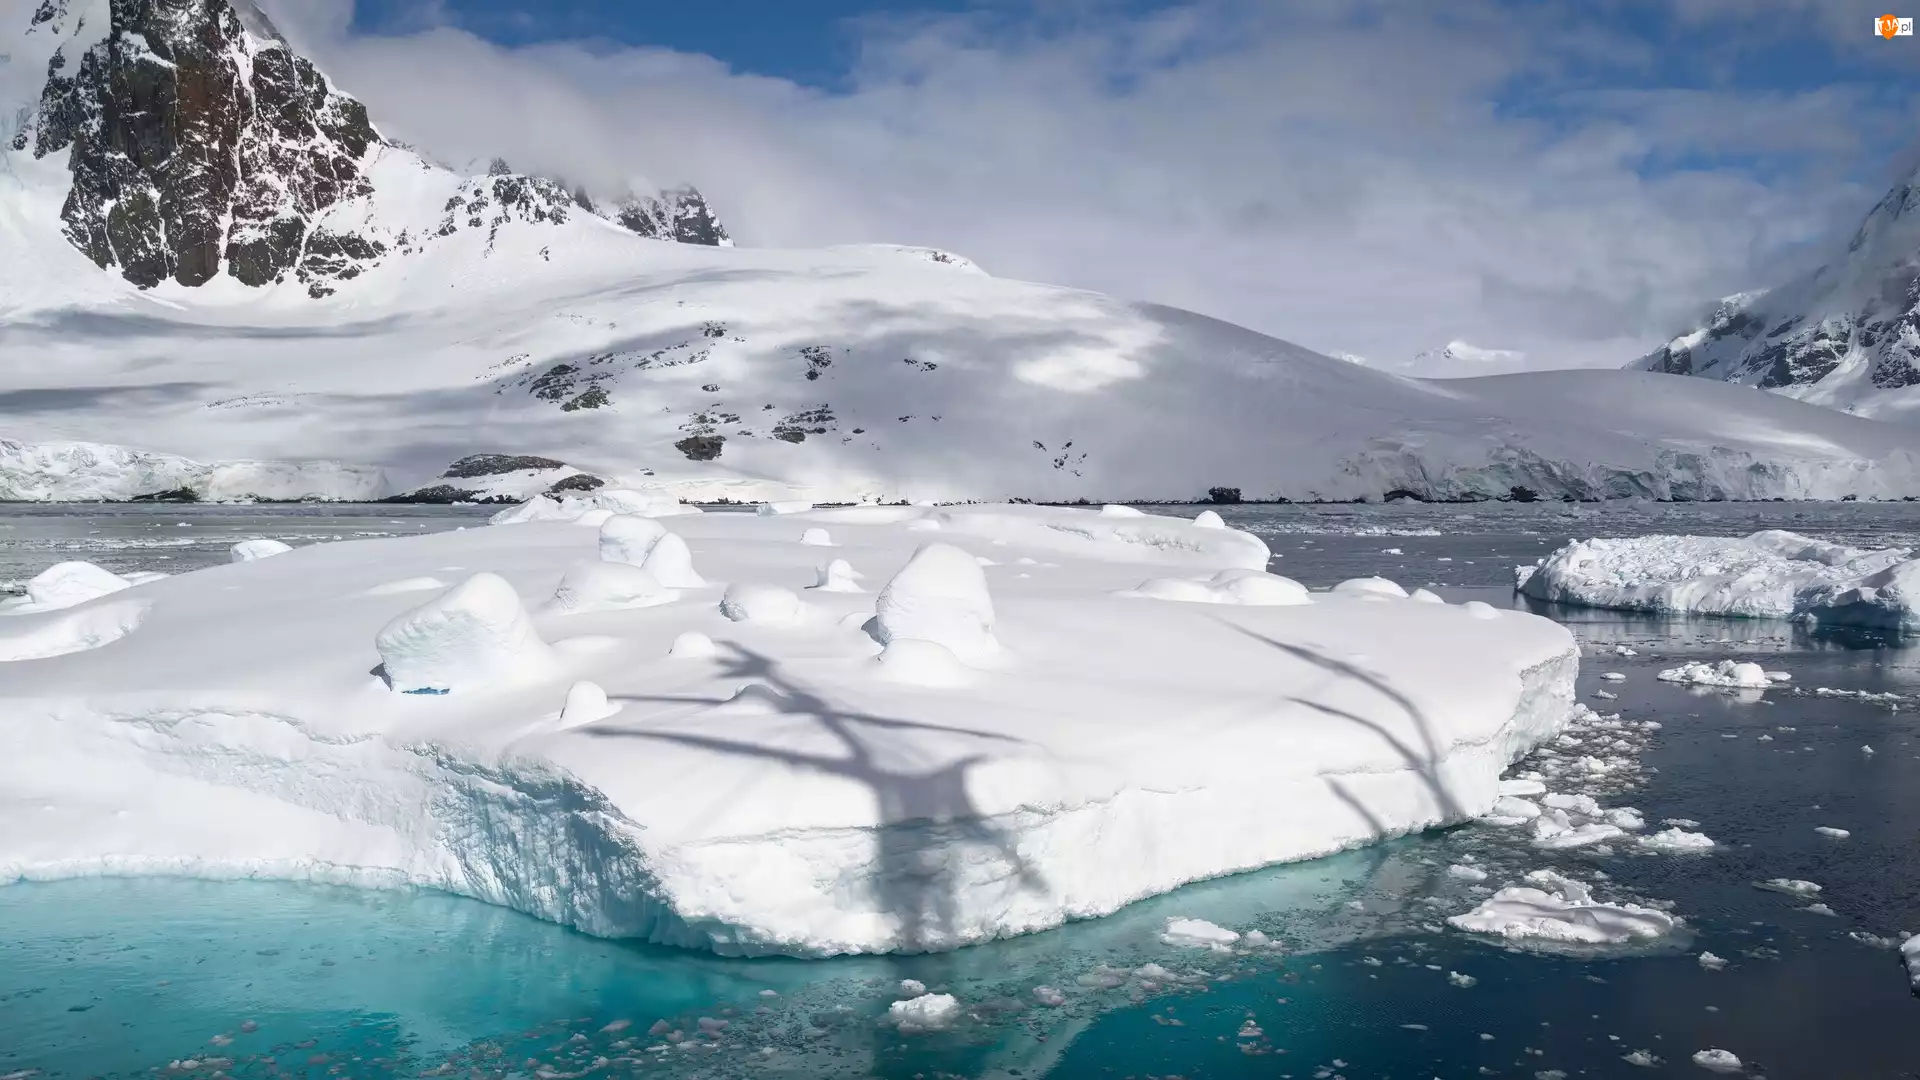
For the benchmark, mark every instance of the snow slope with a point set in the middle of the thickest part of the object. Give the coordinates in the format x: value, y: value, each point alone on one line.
x: 420, y: 317
x: 1846, y: 335
x: 740, y: 765
x: 1770, y: 574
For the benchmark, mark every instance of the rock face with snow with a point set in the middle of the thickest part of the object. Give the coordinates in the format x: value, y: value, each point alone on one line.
x: 199, y: 143
x: 1846, y: 335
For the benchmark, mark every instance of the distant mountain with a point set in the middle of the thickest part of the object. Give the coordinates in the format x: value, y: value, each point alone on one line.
x: 1846, y: 335
x: 218, y: 280
x: 199, y: 143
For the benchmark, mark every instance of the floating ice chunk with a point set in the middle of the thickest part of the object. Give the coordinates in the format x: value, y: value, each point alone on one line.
x: 1646, y: 1059
x: 1831, y: 832
x: 928, y: 1012
x: 939, y: 596
x: 692, y: 645
x: 1790, y: 886
x: 1464, y: 982
x: 912, y: 988
x: 1371, y: 586
x: 1568, y: 914
x: 1466, y: 873
x: 1712, y: 962
x: 671, y: 564
x: 748, y: 602
x: 1865, y: 749
x: 1518, y: 809
x: 1049, y: 996
x: 1819, y: 909
x: 1725, y: 673
x: 913, y: 662
x: 628, y: 538
x: 1910, y: 953
x: 66, y: 584
x: 1614, y: 676
x: 257, y: 548
x: 1578, y: 836
x: 1779, y: 676
x: 1522, y: 787
x: 586, y: 703
x: 609, y: 586
x: 405, y: 585
x: 1198, y: 933
x: 1428, y: 596
x: 1720, y: 1061
x: 69, y: 631
x: 788, y: 506
x: 1209, y: 519
x: 838, y: 576
x: 1584, y: 805
x: 474, y: 635
x: 1680, y: 822
x: 1626, y: 817
x: 1676, y: 841
x: 816, y: 537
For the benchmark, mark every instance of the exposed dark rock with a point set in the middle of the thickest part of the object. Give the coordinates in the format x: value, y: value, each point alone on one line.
x: 577, y: 482
x: 497, y: 464
x: 1520, y: 494
x: 172, y: 495
x: 680, y: 214
x: 1398, y: 494
x: 1223, y: 495
x: 701, y: 447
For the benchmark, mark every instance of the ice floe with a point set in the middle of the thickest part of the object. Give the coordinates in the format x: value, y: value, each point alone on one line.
x: 1728, y: 673
x: 1720, y: 1061
x: 1562, y: 910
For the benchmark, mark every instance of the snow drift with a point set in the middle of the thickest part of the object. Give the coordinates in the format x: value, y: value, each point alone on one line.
x: 767, y: 785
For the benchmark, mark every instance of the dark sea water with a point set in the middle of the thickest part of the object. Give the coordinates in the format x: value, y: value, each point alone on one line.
x: 259, y: 979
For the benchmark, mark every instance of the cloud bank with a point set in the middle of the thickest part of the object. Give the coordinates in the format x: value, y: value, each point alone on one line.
x: 1369, y: 178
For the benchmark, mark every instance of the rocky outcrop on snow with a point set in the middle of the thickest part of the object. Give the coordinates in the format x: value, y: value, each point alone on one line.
x: 500, y: 478
x: 1846, y: 335
x: 199, y: 143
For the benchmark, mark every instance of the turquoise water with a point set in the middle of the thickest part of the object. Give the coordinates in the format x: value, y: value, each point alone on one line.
x: 261, y: 979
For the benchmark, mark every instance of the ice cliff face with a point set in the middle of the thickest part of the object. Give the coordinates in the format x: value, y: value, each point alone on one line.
x: 200, y: 143
x: 1847, y: 335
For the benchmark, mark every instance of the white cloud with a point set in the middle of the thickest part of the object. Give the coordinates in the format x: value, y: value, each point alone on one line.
x: 1315, y: 170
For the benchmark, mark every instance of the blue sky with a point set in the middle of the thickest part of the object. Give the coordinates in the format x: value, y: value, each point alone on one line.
x: 1380, y: 177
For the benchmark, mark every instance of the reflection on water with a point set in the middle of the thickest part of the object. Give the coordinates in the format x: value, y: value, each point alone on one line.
x: 258, y: 979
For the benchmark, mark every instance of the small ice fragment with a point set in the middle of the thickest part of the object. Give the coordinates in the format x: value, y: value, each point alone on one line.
x: 928, y: 1012
x: 1676, y: 841
x: 1818, y: 909
x: 1522, y: 787
x: 1866, y: 750
x: 1712, y: 962
x: 1728, y: 673
x: 1049, y: 996
x: 1464, y: 982
x: 1720, y: 1061
x: 616, y: 1026
x: 1681, y: 822
x: 1790, y: 886
x: 1197, y: 933
x: 912, y: 988
x: 1827, y: 830
x: 1779, y: 676
x: 1614, y: 676
x: 1643, y: 1058
x: 1466, y: 873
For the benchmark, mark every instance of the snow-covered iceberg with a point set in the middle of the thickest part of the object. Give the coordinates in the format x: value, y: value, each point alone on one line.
x: 1770, y: 574
x: 1039, y: 747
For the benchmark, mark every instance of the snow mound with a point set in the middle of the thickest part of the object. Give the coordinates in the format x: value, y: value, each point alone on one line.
x: 1566, y: 914
x: 475, y: 635
x: 67, y: 584
x: 608, y: 586
x: 570, y: 507
x: 790, y: 506
x: 671, y: 564
x: 1252, y: 588
x: 928, y: 1012
x: 1209, y: 519
x: 816, y: 537
x: 1728, y: 673
x: 262, y: 548
x: 36, y: 638
x: 939, y: 596
x: 1371, y: 586
x: 747, y: 602
x: 1427, y: 596
x: 913, y: 662
x: 405, y: 585
x: 586, y: 703
x: 1770, y: 574
x: 629, y: 538
x: 1141, y: 538
x: 693, y: 645
x: 837, y: 576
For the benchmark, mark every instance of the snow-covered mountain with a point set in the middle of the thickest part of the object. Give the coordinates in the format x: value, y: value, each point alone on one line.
x: 1846, y: 335
x: 207, y: 253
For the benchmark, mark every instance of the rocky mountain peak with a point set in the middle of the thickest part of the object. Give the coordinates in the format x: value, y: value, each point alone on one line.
x: 199, y: 144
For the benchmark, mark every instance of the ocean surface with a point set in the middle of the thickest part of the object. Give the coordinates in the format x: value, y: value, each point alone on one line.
x: 183, y: 979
